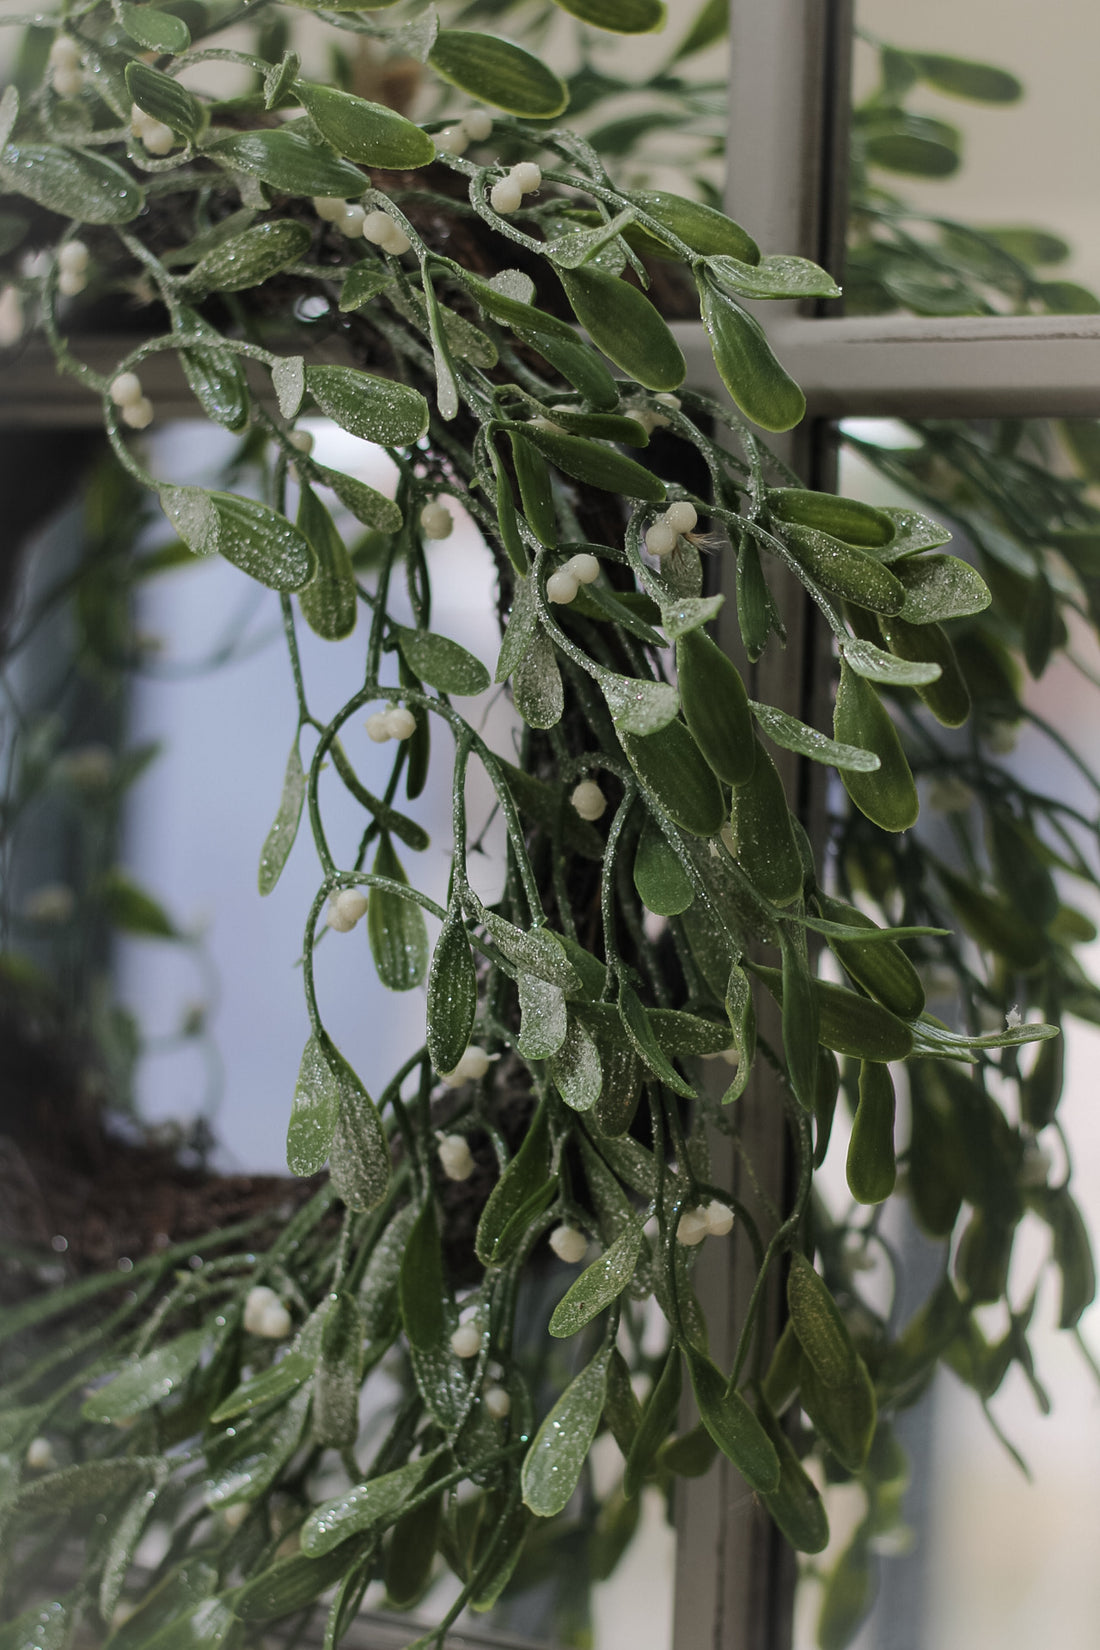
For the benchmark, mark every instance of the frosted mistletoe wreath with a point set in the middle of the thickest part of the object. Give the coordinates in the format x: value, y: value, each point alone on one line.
x: 656, y: 878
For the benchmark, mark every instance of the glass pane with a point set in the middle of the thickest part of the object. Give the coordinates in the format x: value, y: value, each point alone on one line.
x: 983, y: 112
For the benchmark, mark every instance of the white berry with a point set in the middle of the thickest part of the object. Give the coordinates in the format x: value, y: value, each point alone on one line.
x: 40, y: 1456
x: 661, y: 538
x: 11, y: 316
x: 72, y: 258
x: 478, y: 124
x: 265, y: 1314
x: 584, y: 568
x: 126, y: 390
x: 455, y: 1158
x: 497, y: 1402
x: 395, y: 241
x: 561, y: 586
x: 527, y: 177
x: 453, y: 140
x: 378, y: 727
x: 505, y: 196
x: 158, y: 138
x: 350, y: 904
x: 589, y: 800
x: 466, y: 1341
x: 64, y: 52
x: 692, y: 1227
x: 376, y: 226
x: 302, y: 439
x: 681, y: 517
x: 667, y: 399
x: 436, y: 520
x: 472, y: 1066
x: 568, y: 1244
x: 400, y: 723
x: 718, y: 1217
x: 71, y: 282
x: 138, y: 414
x: 329, y: 207
x: 68, y: 82
x: 351, y: 221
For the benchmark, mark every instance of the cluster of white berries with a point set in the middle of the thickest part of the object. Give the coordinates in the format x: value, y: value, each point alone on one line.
x: 474, y: 127
x: 64, y: 64
x: 40, y: 1456
x: 72, y: 268
x: 589, y: 800
x: 562, y: 585
x: 696, y: 1224
x: 436, y: 520
x: 569, y: 1244
x: 394, y: 723
x: 345, y: 909
x: 662, y: 538
x: 470, y: 1069
x: 353, y: 220
x: 455, y: 1157
x: 157, y: 138
x: 135, y: 409
x: 265, y: 1314
x: 524, y: 179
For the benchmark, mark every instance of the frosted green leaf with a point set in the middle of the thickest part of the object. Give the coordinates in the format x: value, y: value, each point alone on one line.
x: 288, y: 375
x: 262, y: 544
x: 9, y: 113
x: 577, y: 246
x: 732, y: 1424
x: 378, y: 1291
x: 147, y: 1380
x: 593, y: 463
x: 821, y: 1331
x: 359, y: 1158
x: 845, y: 570
x: 130, y: 908
x: 553, y: 1464
x: 79, y: 1486
x: 543, y: 1018
x: 930, y: 1038
x: 520, y: 630
x: 536, y: 951
x: 280, y: 839
x: 288, y: 162
x: 644, y: 1040
x: 157, y: 31
x: 279, y: 78
x: 42, y: 1627
x: 86, y: 187
x: 792, y: 735
x: 120, y: 1551
x: 498, y: 72
x: 441, y: 663
x: 681, y: 1035
x: 256, y: 1454
x: 576, y: 1068
x: 374, y: 1503
x: 218, y: 383
x: 375, y: 409
x: 778, y: 277
x: 689, y: 613
x: 289, y: 1585
x: 276, y: 1382
x: 522, y: 1180
x: 452, y: 994
x: 314, y: 1113
x: 366, y: 132
x: 912, y: 532
x: 251, y: 258
x: 339, y: 1374
x: 363, y: 281
x: 659, y: 876
x: 638, y: 705
x: 210, y: 1623
x: 421, y: 1288
x: 619, y: 16
x: 537, y: 686
x: 599, y: 1284
x: 367, y: 505
x: 938, y: 588
x: 162, y: 97
x: 758, y: 384
x: 877, y: 665
x: 395, y: 926
x: 329, y: 602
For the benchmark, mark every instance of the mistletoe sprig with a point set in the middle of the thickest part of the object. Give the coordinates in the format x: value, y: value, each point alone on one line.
x: 657, y: 880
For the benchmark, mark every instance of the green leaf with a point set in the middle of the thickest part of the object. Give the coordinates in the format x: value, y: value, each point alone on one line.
x: 658, y: 1419
x: 938, y: 588
x: 287, y: 161
x: 779, y: 277
x: 339, y: 1374
x: 369, y: 1505
x: 162, y: 97
x: 262, y: 544
x: 289, y: 1585
x: 87, y: 187
x: 594, y: 464
x: 638, y: 705
x: 792, y: 735
x: 378, y: 1290
x: 372, y: 508
x: 844, y: 569
x: 641, y: 1034
x: 543, y: 1018
x: 314, y: 1113
x: 552, y: 1466
x: 800, y: 1018
x: 547, y: 807
x: 822, y: 1332
x: 758, y: 384
x: 599, y: 1284
x: 421, y: 1289
x: 876, y: 665
x: 888, y: 797
x: 959, y: 77
x: 288, y: 377
x: 732, y: 1424
x: 219, y: 385
x: 157, y: 31
x: 280, y: 839
x: 871, y: 1165
x: 844, y: 1415
x: 128, y: 1529
x: 130, y: 908
x: 681, y: 616
x: 329, y: 601
x: 525, y: 1175
x: 707, y: 232
x: 537, y: 687
x: 452, y: 994
x: 846, y: 519
x: 673, y: 769
x: 716, y: 707
x: 366, y: 132
x: 619, y: 16
x: 395, y: 926
x: 496, y: 71
x: 796, y: 1505
x: 763, y: 839
x: 359, y: 1158
x: 441, y: 663
x: 363, y: 282
x: 621, y: 321
x: 271, y: 1384
x: 553, y: 339
x: 81, y: 1485
x: 376, y: 409
x: 711, y: 23
x: 912, y: 533
x: 210, y: 1623
x: 849, y: 1022
x: 537, y: 951
x: 147, y: 1380
x: 252, y: 257
x: 659, y: 876
x: 576, y: 1067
